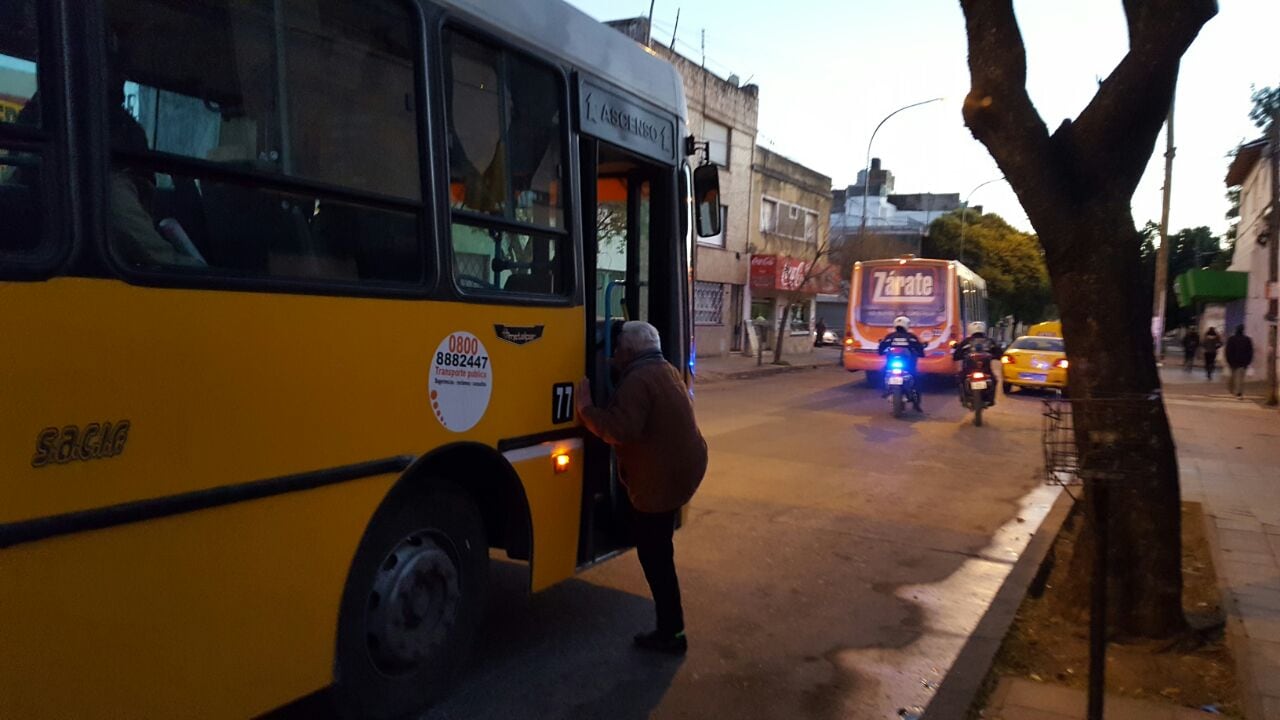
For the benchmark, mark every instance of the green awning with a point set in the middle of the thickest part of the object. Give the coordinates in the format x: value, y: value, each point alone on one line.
x: 1206, y: 286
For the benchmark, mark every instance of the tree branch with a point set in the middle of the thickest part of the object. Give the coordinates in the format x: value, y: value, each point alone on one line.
x: 1113, y: 138
x: 998, y: 110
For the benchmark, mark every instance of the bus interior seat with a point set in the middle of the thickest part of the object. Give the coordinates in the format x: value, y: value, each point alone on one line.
x: 383, y: 245
x: 20, y: 209
x: 245, y: 224
x: 535, y: 283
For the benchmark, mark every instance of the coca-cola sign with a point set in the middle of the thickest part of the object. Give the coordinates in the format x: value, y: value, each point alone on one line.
x: 775, y: 272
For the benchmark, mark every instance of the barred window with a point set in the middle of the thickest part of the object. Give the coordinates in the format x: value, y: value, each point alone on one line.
x: 708, y: 303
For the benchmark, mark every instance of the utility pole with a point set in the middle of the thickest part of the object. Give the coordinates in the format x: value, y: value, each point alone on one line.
x: 1273, y: 270
x: 1162, y: 255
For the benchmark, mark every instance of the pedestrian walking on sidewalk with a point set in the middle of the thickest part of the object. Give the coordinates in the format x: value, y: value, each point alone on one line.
x: 661, y: 458
x: 1190, y: 344
x: 820, y: 330
x: 1210, y: 344
x: 1239, y: 358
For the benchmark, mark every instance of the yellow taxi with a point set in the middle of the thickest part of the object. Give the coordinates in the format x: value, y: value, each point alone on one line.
x: 1034, y: 361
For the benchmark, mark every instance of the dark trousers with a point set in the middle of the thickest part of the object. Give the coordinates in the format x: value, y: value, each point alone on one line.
x: 653, y: 533
x: 1210, y: 364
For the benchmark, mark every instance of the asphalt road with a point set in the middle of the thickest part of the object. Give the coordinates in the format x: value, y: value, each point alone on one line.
x: 835, y: 562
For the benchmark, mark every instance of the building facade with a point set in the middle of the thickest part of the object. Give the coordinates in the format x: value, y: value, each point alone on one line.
x: 791, y: 213
x: 1251, y: 170
x: 724, y: 115
x: 896, y: 224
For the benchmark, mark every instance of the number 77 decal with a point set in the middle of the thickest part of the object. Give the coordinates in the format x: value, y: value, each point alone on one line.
x: 561, y: 403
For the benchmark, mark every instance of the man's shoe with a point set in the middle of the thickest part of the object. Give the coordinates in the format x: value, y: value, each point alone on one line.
x: 676, y: 644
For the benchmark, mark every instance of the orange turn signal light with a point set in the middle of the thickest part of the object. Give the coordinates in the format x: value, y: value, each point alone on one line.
x: 561, y: 462
x: 1062, y: 363
x: 1005, y: 360
x: 848, y: 341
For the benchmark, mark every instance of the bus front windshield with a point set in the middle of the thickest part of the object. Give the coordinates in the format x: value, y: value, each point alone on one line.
x: 919, y: 292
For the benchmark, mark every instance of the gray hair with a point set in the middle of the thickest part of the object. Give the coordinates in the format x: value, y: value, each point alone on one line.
x: 639, y: 337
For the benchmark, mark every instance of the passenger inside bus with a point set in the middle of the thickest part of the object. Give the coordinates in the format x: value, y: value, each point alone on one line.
x: 230, y: 104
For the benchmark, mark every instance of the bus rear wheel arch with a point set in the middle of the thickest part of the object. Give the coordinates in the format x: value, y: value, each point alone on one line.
x: 412, y: 603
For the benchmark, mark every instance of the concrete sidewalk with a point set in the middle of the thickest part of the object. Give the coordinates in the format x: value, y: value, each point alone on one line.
x: 1229, y: 456
x: 739, y: 367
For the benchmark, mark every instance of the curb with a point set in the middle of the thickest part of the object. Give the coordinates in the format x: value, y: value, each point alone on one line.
x: 969, y: 670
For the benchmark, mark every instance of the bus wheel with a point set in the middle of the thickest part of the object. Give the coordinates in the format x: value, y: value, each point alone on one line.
x: 874, y: 379
x: 412, y: 602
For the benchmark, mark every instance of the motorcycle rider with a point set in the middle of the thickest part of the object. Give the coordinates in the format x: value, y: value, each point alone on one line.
x: 902, y: 338
x: 978, y: 342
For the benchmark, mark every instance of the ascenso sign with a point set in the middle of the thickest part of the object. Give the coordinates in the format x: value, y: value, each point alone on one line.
x: 910, y: 287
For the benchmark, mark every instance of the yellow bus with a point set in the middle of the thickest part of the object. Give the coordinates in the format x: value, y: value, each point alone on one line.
x: 1049, y: 328
x: 941, y: 297
x: 293, y: 297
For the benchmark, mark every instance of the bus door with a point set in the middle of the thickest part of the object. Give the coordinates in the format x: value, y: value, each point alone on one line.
x: 630, y: 230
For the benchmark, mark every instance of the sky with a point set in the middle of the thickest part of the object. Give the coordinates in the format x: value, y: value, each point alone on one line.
x: 830, y: 70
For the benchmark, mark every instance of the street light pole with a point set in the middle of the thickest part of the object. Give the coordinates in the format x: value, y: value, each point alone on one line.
x: 866, y: 179
x: 964, y: 213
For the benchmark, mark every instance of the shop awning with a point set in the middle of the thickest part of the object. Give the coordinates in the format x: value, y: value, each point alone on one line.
x: 1206, y: 286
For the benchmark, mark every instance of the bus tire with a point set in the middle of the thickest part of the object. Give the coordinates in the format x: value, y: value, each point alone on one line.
x: 413, y: 600
x: 874, y: 379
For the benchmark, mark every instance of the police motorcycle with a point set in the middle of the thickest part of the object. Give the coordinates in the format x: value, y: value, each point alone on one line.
x: 977, y: 386
x: 901, y: 349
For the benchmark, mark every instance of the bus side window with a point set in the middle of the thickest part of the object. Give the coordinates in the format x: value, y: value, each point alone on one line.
x: 23, y: 138
x: 506, y: 166
x: 286, y: 139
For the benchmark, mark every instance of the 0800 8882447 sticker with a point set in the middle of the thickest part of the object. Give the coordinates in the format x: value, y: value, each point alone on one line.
x: 461, y: 381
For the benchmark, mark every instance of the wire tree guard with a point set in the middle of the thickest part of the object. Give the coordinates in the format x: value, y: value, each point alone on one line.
x: 1099, y: 443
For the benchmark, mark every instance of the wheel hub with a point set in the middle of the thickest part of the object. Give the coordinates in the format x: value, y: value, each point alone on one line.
x: 413, y: 603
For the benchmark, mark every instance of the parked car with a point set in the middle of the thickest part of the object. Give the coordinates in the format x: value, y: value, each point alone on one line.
x: 1039, y: 362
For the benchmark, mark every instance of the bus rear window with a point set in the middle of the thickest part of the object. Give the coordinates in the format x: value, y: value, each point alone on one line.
x: 915, y: 291
x: 1038, y: 344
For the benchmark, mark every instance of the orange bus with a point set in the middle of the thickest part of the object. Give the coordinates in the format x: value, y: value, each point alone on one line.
x: 940, y: 296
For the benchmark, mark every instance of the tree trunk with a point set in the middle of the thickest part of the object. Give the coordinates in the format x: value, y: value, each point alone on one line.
x: 782, y: 334
x: 1075, y: 185
x: 1122, y: 431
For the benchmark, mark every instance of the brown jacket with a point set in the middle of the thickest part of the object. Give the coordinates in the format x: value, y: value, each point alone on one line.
x: 661, y: 454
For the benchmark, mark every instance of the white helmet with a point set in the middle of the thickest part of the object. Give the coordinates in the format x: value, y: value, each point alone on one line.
x: 977, y: 326
x: 903, y: 322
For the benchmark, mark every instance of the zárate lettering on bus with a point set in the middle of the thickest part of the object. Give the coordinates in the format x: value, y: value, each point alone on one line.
x: 917, y: 292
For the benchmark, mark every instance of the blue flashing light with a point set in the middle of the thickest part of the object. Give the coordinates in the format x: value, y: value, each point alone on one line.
x: 895, y: 364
